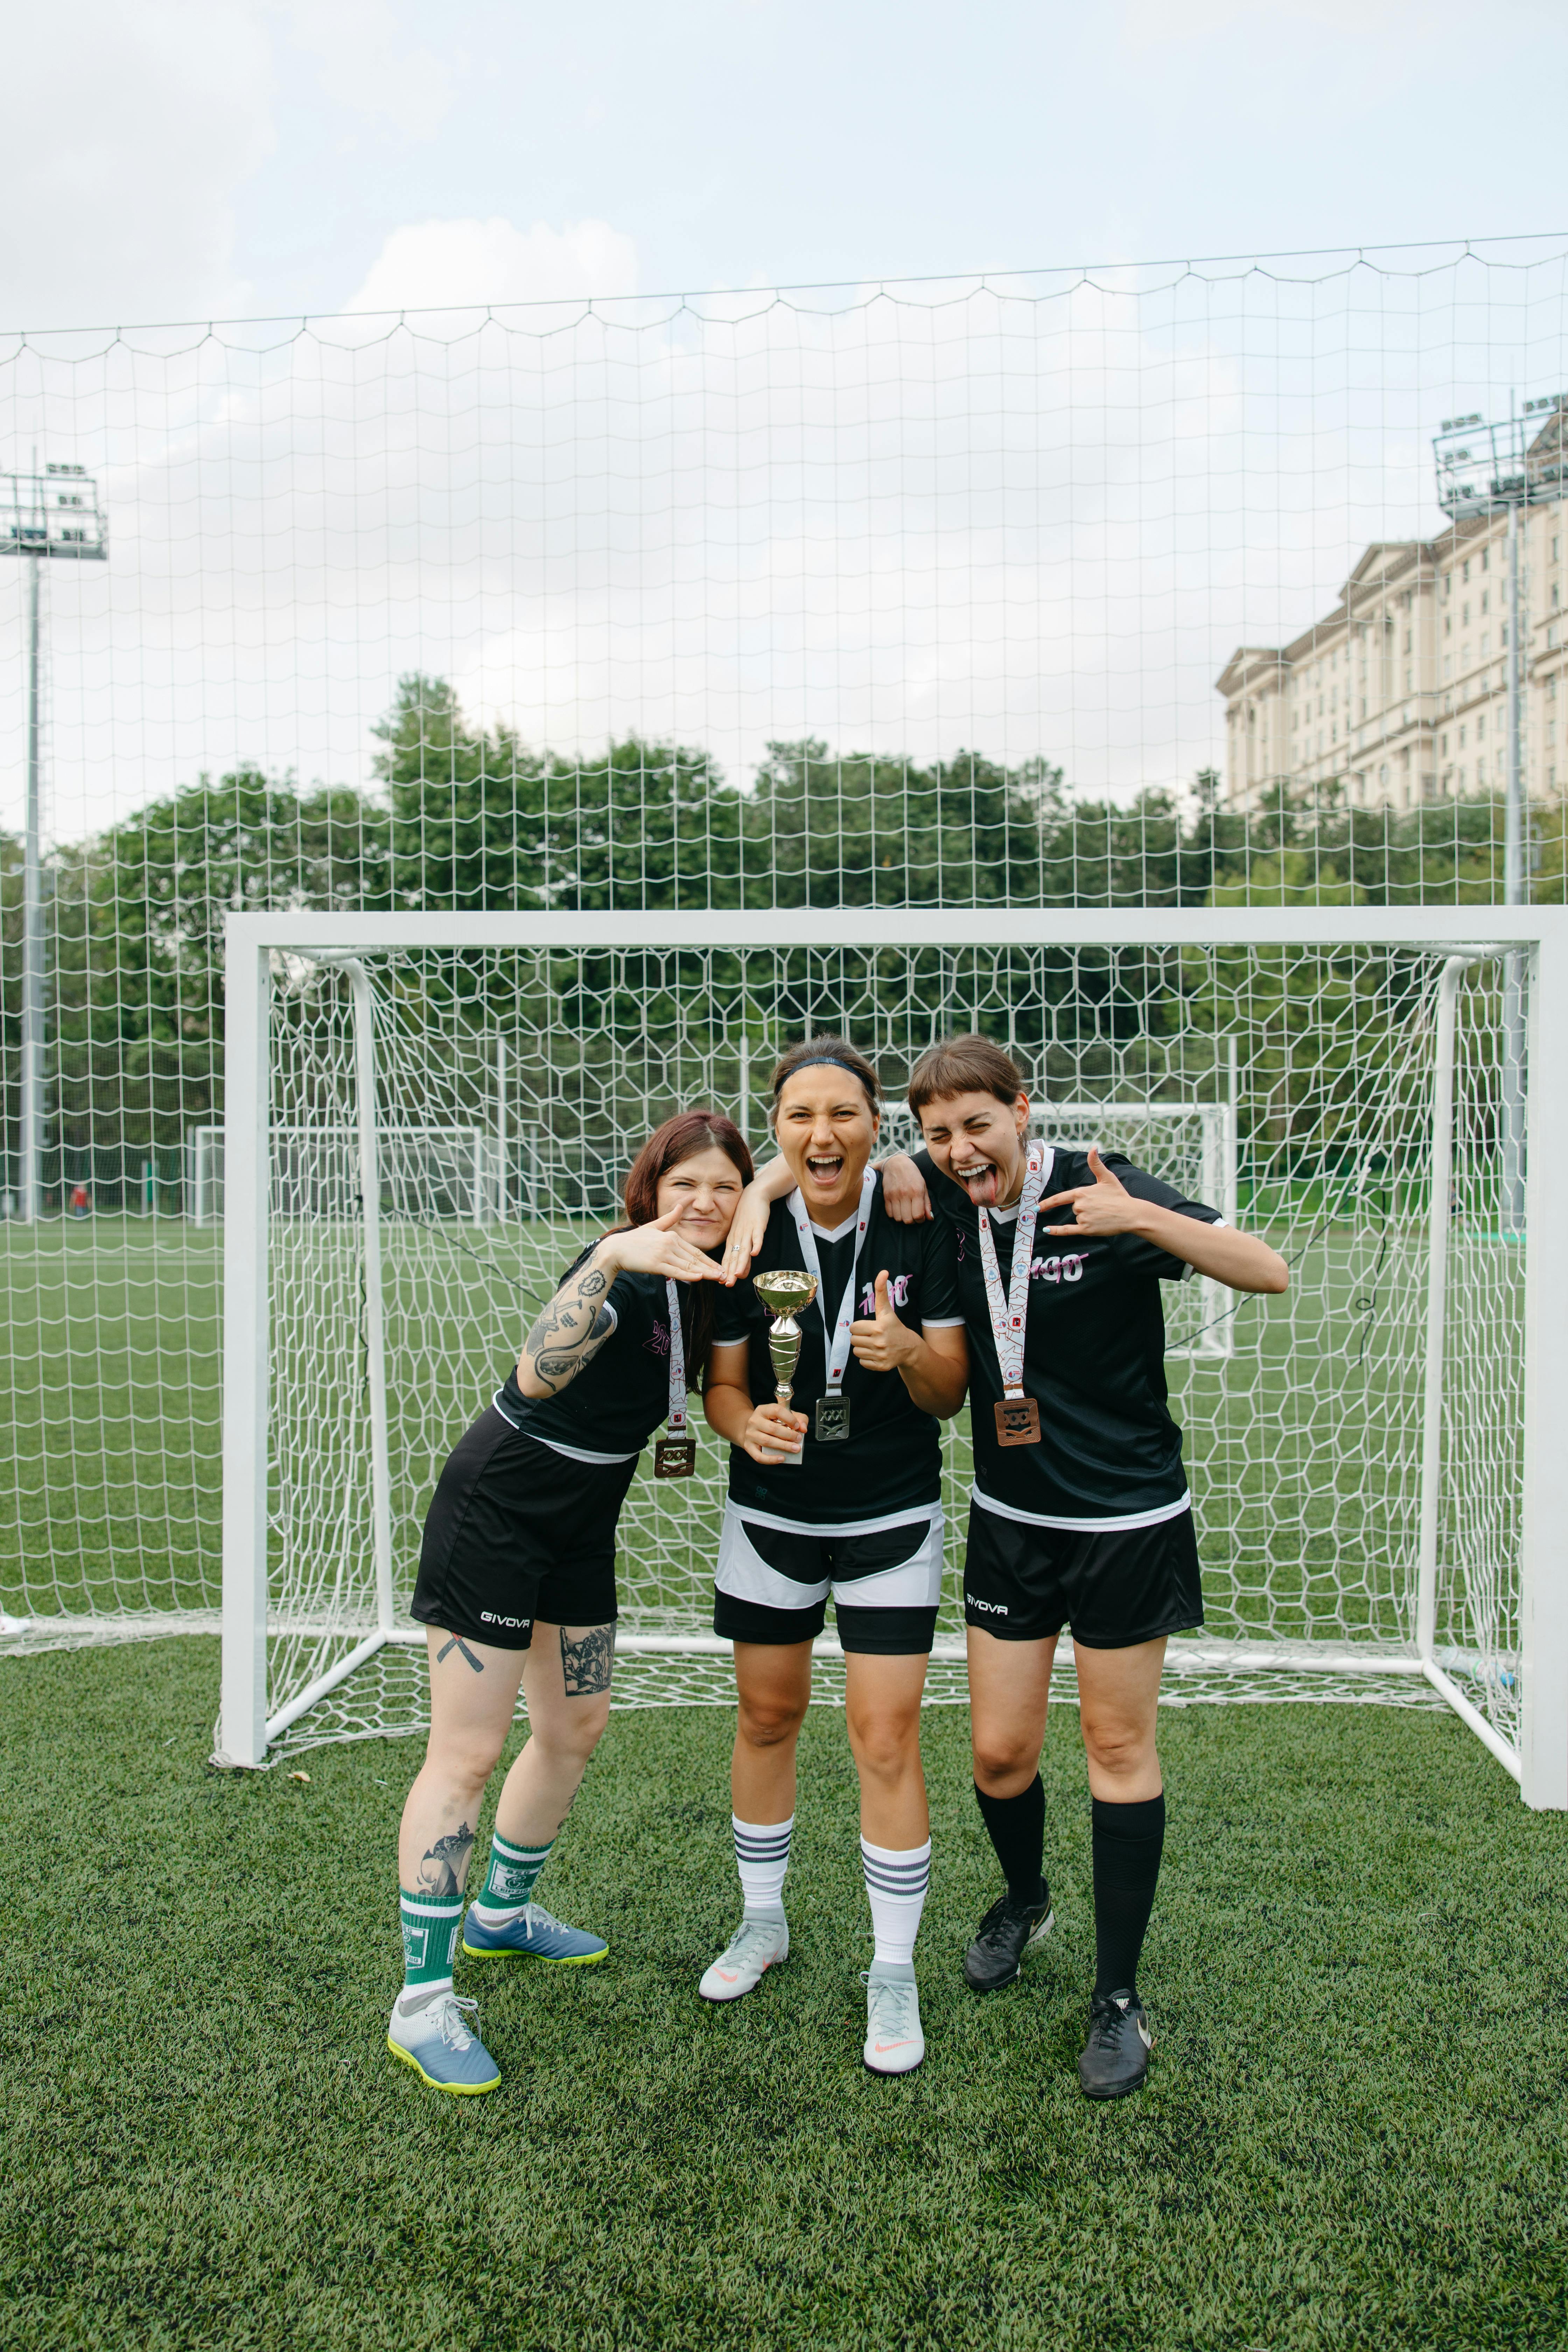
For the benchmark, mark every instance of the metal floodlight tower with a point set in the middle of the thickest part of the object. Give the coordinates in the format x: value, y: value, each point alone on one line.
x: 55, y: 513
x: 1484, y: 470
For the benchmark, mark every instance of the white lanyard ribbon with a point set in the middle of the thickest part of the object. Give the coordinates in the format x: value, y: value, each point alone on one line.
x: 677, y: 1363
x: 838, y: 1352
x: 1008, y: 1314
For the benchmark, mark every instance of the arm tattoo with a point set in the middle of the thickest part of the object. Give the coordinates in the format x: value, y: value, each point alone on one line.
x: 586, y: 1663
x: 570, y: 1331
x: 441, y: 1871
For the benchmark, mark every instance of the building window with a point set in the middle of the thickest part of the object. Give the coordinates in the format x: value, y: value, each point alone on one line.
x: 1486, y: 599
x: 1482, y: 728
x: 1447, y: 624
x: 1465, y: 571
x: 1443, y: 745
x: 1461, y: 739
x: 1485, y: 558
x: 1382, y: 777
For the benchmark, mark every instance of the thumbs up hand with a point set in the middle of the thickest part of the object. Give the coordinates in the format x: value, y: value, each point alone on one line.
x: 1105, y: 1206
x: 883, y: 1343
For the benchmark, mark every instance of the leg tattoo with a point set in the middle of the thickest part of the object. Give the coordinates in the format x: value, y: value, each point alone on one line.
x: 458, y: 1642
x: 586, y: 1663
x: 440, y: 1872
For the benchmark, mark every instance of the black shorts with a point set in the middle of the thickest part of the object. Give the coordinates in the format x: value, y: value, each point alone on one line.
x: 1114, y: 1590
x: 517, y: 1531
x: 773, y: 1582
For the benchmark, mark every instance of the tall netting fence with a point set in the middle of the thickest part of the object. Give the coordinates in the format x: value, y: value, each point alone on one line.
x: 1153, y: 588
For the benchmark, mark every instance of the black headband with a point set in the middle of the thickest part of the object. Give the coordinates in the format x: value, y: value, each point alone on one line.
x: 817, y: 1061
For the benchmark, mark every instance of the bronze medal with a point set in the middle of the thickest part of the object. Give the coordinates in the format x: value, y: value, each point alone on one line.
x: 675, y: 1457
x: 832, y: 1420
x: 1018, y: 1421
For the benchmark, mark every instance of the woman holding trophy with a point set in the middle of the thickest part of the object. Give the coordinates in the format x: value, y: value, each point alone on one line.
x: 517, y: 1579
x: 830, y: 1370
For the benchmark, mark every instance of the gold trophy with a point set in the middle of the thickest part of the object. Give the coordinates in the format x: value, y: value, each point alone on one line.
x: 782, y: 1293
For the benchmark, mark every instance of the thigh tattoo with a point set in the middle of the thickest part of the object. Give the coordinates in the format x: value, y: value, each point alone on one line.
x: 585, y: 1663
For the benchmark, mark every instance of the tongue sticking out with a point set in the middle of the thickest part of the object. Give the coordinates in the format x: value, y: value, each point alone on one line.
x: 980, y: 1184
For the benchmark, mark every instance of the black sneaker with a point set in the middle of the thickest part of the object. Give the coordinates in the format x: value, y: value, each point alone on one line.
x: 1116, y: 2056
x: 996, y: 1956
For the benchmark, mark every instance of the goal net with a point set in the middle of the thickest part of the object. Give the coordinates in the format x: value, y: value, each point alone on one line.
x: 1349, y: 1098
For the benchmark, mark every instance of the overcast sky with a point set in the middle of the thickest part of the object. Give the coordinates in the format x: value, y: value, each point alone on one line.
x: 178, y: 159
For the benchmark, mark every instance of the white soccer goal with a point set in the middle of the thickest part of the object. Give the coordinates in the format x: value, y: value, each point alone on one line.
x: 442, y: 1175
x: 1376, y: 1459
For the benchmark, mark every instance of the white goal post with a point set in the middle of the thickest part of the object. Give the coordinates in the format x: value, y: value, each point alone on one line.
x: 1378, y: 1462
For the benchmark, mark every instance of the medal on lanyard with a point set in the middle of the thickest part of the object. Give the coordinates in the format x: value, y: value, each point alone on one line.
x: 674, y: 1456
x: 831, y: 1426
x: 1017, y: 1416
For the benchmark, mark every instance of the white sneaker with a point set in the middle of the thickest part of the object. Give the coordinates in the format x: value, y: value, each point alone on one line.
x: 752, y: 1950
x: 433, y: 2034
x: 894, y: 2042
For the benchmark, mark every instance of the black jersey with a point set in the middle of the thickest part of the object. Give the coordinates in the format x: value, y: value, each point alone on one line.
x: 621, y: 1394
x: 891, y: 1459
x: 1094, y: 1356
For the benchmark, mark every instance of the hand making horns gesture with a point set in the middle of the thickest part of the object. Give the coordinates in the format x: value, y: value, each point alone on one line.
x: 658, y: 1248
x: 1105, y: 1206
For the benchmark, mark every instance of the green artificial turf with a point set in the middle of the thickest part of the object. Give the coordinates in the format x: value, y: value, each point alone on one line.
x: 1353, y: 2135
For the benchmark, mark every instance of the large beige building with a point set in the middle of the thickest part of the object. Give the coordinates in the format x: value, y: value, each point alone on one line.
x: 1400, y: 694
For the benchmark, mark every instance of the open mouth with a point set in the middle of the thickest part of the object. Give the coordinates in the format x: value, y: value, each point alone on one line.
x: 978, y: 1177
x: 825, y: 1168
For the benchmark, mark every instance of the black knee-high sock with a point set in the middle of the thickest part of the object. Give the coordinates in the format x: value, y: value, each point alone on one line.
x: 1126, y: 1840
x: 1018, y: 1829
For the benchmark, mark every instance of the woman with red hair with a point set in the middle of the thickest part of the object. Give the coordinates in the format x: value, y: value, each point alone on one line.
x: 517, y: 1578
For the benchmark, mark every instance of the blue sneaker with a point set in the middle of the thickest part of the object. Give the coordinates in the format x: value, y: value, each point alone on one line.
x: 427, y: 2031
x: 531, y: 1934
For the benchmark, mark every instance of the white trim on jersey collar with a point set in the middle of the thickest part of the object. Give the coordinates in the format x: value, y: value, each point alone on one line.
x: 850, y: 1222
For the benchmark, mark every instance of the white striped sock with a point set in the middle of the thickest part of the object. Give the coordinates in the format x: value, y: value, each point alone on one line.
x: 896, y: 1887
x: 762, y: 1857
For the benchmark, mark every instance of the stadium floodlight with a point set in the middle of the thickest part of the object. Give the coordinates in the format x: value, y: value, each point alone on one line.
x: 1486, y: 469
x: 55, y: 513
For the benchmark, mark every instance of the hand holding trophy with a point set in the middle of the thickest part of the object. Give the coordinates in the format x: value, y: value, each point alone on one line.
x: 782, y: 1293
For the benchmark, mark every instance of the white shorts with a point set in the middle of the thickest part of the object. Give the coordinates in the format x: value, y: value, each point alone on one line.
x: 774, y: 1577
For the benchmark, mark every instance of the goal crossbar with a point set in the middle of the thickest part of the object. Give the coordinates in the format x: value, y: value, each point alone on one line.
x: 1531, y: 941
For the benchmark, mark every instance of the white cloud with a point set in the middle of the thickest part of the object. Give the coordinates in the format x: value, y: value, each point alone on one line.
x: 364, y: 66
x: 429, y: 265
x: 128, y: 131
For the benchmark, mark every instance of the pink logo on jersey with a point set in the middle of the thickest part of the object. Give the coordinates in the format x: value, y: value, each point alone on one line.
x: 898, y: 1294
x: 657, y: 1341
x: 1058, y: 1269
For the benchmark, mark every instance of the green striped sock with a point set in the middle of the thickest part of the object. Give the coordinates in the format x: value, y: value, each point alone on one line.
x: 429, y: 1937
x: 510, y: 1880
